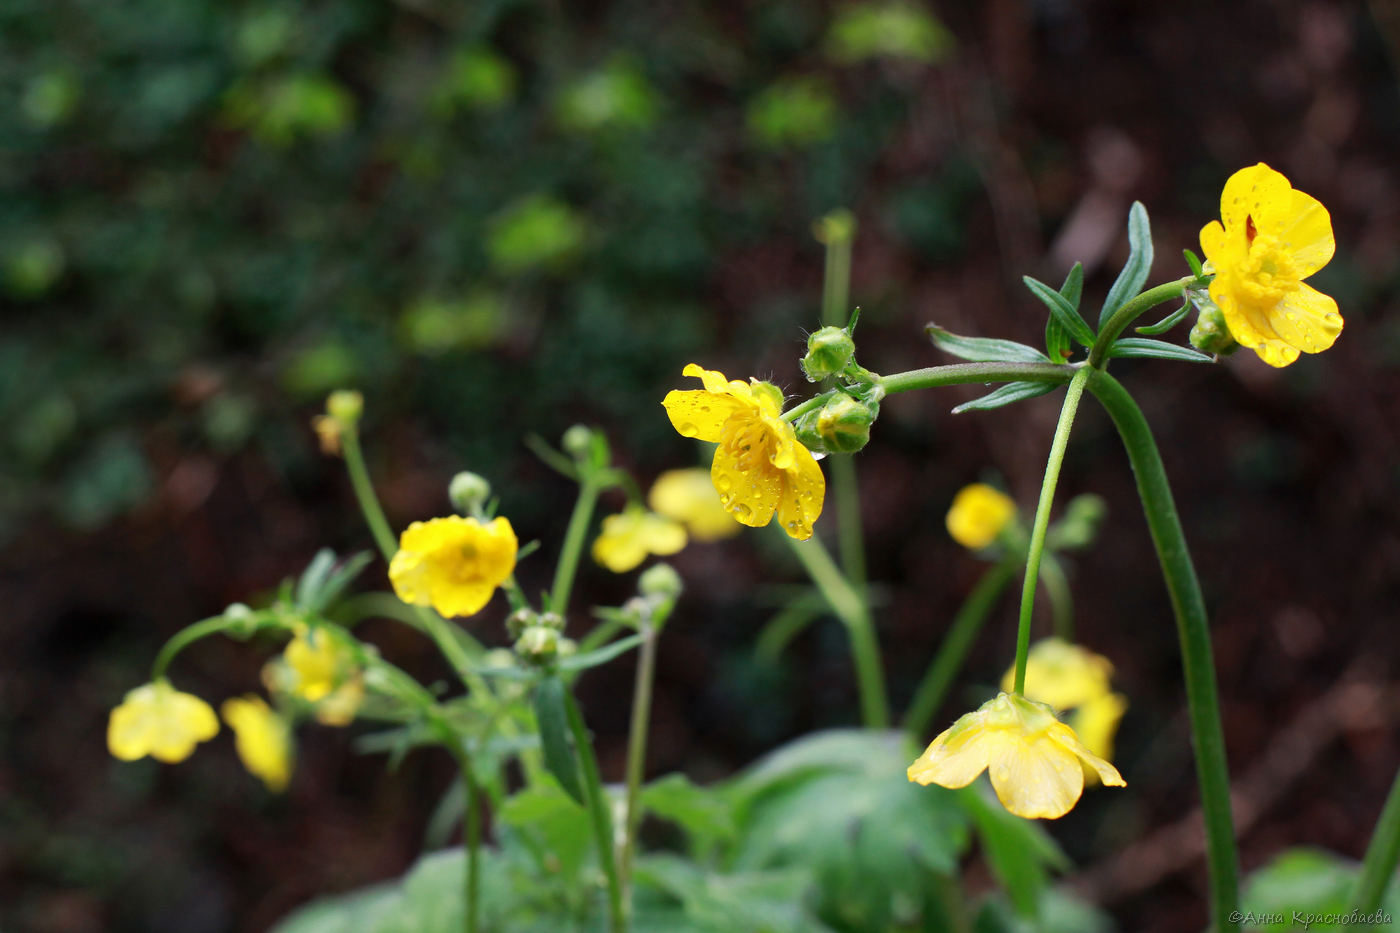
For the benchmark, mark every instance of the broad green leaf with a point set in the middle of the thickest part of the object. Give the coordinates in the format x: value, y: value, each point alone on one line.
x: 1007, y: 394
x: 705, y: 814
x: 1136, y: 269
x: 983, y: 349
x: 765, y: 902
x: 1309, y: 881
x: 562, y: 829
x: 1019, y: 852
x: 1141, y: 347
x: 1166, y: 323
x: 1057, y: 912
x: 555, y: 739
x: 1060, y: 308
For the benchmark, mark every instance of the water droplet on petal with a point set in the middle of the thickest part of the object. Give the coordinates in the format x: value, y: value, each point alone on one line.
x: 687, y: 429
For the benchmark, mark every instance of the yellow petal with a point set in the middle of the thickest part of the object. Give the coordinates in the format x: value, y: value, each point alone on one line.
x: 751, y: 495
x: 978, y: 515
x: 453, y: 564
x: 1064, y: 736
x: 262, y: 740
x: 1307, y: 320
x: 1062, y: 674
x: 959, y: 754
x: 1306, y: 229
x: 1256, y: 192
x: 804, y: 491
x: 699, y: 413
x: 689, y: 496
x: 157, y: 720
x: 1097, y: 720
x: 1036, y: 777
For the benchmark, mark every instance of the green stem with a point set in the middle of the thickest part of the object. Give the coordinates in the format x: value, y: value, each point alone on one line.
x: 786, y: 625
x: 952, y: 653
x: 1378, y: 868
x: 637, y: 750
x: 364, y: 493
x: 1042, y: 521
x: 1193, y: 631
x: 836, y: 285
x: 472, y: 832
x: 850, y: 608
x: 1130, y: 311
x: 573, y: 544
x: 963, y: 373
x: 186, y: 637
x: 1052, y: 577
x: 598, y: 811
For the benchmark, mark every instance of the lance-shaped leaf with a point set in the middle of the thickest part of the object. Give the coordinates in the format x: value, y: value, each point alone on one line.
x: 1065, y: 313
x: 1056, y: 337
x: 1011, y: 392
x: 983, y: 349
x: 1140, y: 347
x: 1166, y: 323
x: 1135, y: 270
x: 555, y: 741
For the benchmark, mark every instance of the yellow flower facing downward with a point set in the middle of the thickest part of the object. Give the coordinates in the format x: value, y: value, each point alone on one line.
x: 453, y: 564
x: 760, y: 468
x: 689, y: 497
x: 978, y: 515
x: 628, y: 537
x: 1063, y: 675
x: 160, y: 721
x: 263, y: 740
x: 1272, y: 237
x: 1033, y: 758
x: 320, y: 670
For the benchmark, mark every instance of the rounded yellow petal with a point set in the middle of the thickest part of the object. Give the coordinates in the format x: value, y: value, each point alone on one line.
x: 1306, y: 231
x: 689, y: 496
x: 959, y: 754
x: 453, y: 564
x: 1307, y: 320
x: 803, y: 494
x: 1096, y: 722
x: 627, y: 538
x: 978, y: 515
x: 1036, y: 777
x: 316, y: 663
x: 157, y: 720
x: 1254, y: 192
x: 1064, y: 736
x: 748, y: 490
x: 262, y: 739
x: 699, y: 414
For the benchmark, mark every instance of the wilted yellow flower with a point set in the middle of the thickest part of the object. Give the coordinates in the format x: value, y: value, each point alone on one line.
x: 1034, y: 759
x: 978, y: 515
x: 453, y: 564
x: 689, y: 497
x: 1063, y: 675
x: 628, y: 537
x: 1095, y: 723
x: 158, y: 720
x: 320, y: 670
x: 1272, y: 238
x: 759, y: 467
x: 262, y: 738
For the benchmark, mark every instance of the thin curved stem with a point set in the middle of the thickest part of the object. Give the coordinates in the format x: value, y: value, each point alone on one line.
x: 186, y: 637
x: 588, y: 491
x: 1130, y: 311
x: 637, y: 751
x: 1378, y: 868
x: 1193, y: 632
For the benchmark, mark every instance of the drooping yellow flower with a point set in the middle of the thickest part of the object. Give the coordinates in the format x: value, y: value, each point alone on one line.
x: 1034, y: 759
x: 690, y: 498
x: 1272, y: 238
x: 978, y: 515
x: 1095, y: 723
x: 320, y: 670
x: 262, y: 738
x: 629, y: 536
x: 453, y: 564
x: 760, y: 467
x: 160, y: 721
x: 1063, y: 675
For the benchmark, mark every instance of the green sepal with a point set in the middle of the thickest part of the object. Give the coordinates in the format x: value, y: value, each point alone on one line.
x: 983, y: 349
x: 1166, y: 323
x: 1011, y: 392
x: 1139, y: 347
x: 555, y: 742
x: 1194, y: 262
x: 1136, y: 269
x: 1064, y: 312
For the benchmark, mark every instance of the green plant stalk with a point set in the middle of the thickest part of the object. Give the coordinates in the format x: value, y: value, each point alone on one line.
x: 186, y: 637
x: 1378, y: 868
x: 786, y: 625
x: 851, y: 609
x: 1193, y: 632
x: 598, y: 811
x: 1052, y: 577
x: 836, y: 283
x: 963, y: 373
x: 1131, y: 310
x: 1042, y: 521
x: 952, y: 653
x: 471, y: 912
x: 564, y: 571
x: 637, y: 752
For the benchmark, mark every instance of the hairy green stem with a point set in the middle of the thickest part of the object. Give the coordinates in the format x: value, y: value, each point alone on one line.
x: 1042, y: 521
x: 957, y: 643
x: 573, y: 544
x: 599, y: 812
x: 1130, y: 311
x: 963, y: 373
x: 1193, y: 632
x: 637, y: 751
x: 1378, y: 868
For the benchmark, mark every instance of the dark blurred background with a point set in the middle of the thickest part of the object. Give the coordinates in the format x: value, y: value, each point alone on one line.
x: 508, y: 216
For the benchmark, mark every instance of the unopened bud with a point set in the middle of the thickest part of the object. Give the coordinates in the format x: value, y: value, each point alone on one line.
x: 769, y: 391
x: 345, y: 406
x: 577, y: 441
x: 519, y: 620
x: 551, y: 620
x: 1080, y: 524
x: 1211, y: 334
x: 661, y: 581
x: 844, y: 423
x: 828, y: 352
x: 468, y: 491
x: 538, y: 644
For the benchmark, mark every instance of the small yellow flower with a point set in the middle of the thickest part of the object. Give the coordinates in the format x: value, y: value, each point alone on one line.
x: 1095, y: 723
x: 760, y: 467
x: 320, y: 670
x: 1272, y: 238
x: 262, y: 738
x: 978, y: 515
x: 689, y: 497
x: 453, y: 564
x: 628, y: 537
x: 158, y: 720
x: 1063, y: 675
x: 1034, y: 759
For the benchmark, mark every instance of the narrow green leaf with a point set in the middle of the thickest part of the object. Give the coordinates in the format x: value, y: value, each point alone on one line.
x: 1194, y: 262
x: 1011, y: 392
x: 1056, y: 340
x: 1139, y: 347
x: 983, y: 349
x: 335, y: 584
x: 580, y: 662
x: 554, y: 736
x: 1064, y: 312
x: 1166, y: 323
x: 1074, y: 285
x: 314, y: 576
x: 1135, y: 270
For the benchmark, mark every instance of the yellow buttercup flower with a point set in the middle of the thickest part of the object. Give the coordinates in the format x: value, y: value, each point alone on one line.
x: 1272, y: 238
x: 160, y: 721
x: 1034, y: 759
x: 453, y: 564
x: 760, y: 467
x: 1063, y: 675
x: 320, y: 670
x: 689, y: 497
x: 978, y: 515
x: 262, y: 738
x: 628, y: 537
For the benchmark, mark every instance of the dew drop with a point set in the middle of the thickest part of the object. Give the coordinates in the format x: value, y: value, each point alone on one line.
x: 1333, y: 318
x: 742, y: 511
x: 687, y: 429
x: 1003, y: 773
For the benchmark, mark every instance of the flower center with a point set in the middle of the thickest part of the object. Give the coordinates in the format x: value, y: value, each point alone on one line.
x: 750, y: 443
x: 1268, y: 273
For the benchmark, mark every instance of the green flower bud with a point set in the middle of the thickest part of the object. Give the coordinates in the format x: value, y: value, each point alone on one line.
x: 808, y: 436
x: 660, y: 581
x: 468, y: 491
x: 551, y: 620
x: 345, y: 406
x: 538, y: 644
x: 567, y: 647
x: 771, y: 391
x: 1211, y: 334
x: 844, y: 423
x: 519, y: 620
x: 577, y: 441
x: 1080, y: 524
x: 828, y: 352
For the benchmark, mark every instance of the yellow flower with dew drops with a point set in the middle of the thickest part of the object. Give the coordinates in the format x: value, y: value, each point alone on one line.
x: 319, y: 669
x: 263, y: 740
x: 627, y: 538
x: 1034, y: 759
x: 1062, y: 674
x: 453, y: 564
x: 759, y: 468
x: 1269, y: 238
x: 157, y: 720
x: 978, y: 515
x: 689, y: 497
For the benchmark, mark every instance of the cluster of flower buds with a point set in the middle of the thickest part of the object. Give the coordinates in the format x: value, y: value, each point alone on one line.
x: 538, y: 636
